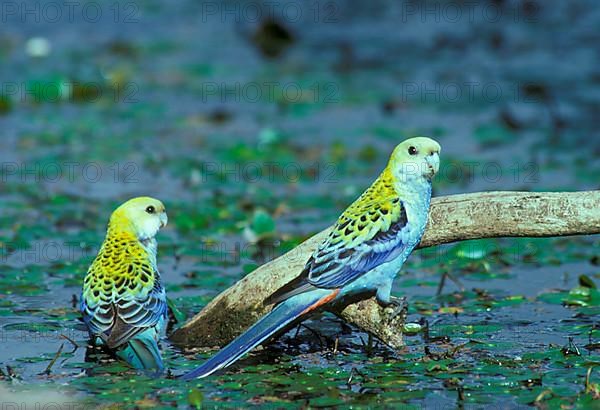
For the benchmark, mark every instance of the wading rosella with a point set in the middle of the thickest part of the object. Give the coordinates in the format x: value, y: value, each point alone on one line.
x: 123, y: 302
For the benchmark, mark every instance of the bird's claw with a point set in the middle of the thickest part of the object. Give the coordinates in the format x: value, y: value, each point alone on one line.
x: 398, y: 305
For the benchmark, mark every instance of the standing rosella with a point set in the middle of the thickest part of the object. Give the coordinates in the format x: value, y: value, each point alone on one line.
x: 123, y: 302
x: 361, y: 256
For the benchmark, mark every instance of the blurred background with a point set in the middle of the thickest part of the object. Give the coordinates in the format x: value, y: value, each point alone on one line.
x: 256, y: 123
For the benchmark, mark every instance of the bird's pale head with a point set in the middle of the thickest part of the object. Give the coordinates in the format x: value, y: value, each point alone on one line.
x: 415, y: 158
x: 142, y: 216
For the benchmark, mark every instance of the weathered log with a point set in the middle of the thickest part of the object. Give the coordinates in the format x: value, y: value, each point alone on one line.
x: 452, y: 218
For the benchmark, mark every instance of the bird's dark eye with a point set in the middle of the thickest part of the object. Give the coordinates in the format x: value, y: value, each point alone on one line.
x: 150, y: 209
x: 412, y: 150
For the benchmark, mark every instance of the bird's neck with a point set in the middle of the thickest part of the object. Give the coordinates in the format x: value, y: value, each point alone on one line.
x: 120, y: 225
x: 412, y: 189
x: 416, y: 188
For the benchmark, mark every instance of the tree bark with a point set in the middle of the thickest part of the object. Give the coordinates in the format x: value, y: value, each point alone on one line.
x: 451, y: 218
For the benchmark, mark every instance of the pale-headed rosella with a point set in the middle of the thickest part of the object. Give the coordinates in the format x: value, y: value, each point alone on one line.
x: 123, y: 301
x: 360, y: 257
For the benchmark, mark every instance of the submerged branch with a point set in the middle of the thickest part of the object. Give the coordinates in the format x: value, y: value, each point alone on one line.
x: 452, y: 218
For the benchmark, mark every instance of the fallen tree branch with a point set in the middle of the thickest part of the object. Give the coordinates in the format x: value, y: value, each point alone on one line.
x: 452, y: 218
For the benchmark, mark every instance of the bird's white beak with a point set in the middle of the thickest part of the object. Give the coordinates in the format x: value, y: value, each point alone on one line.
x: 433, y: 161
x: 163, y: 219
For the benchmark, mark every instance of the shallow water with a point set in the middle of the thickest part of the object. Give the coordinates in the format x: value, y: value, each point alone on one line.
x: 176, y: 120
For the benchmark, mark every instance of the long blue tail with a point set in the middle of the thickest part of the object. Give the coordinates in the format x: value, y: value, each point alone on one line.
x: 142, y: 353
x: 281, y: 316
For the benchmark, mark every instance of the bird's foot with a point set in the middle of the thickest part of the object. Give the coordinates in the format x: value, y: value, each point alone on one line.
x: 398, y: 306
x: 443, y: 282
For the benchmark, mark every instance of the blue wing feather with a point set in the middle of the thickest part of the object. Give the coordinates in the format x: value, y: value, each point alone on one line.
x: 334, y: 264
x: 137, y: 315
x: 117, y: 321
x: 335, y: 267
